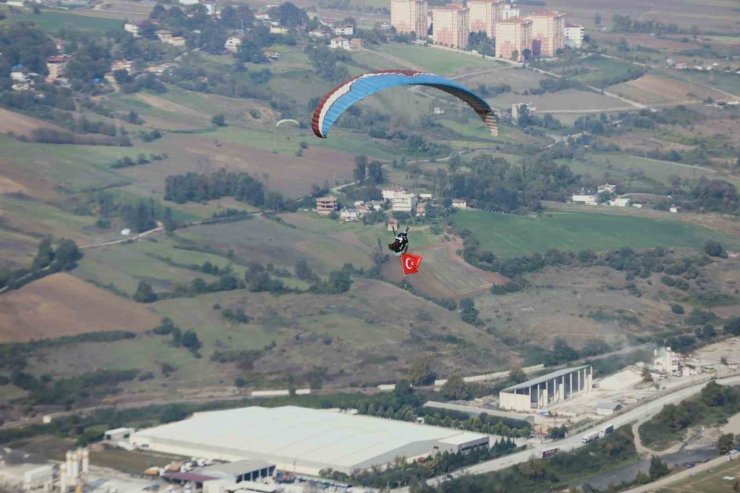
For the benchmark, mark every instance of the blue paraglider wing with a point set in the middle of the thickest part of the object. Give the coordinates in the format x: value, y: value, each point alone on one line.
x: 336, y: 102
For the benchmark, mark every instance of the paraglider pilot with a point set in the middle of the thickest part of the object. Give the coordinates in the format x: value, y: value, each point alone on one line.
x: 401, y: 243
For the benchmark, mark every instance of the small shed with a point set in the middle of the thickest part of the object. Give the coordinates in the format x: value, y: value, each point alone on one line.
x: 607, y: 408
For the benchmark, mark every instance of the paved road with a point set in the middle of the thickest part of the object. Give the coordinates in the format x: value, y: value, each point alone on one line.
x: 685, y: 474
x: 574, y: 441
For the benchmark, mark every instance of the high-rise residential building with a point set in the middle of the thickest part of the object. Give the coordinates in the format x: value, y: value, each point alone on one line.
x: 548, y: 32
x: 410, y: 16
x: 451, y: 25
x: 513, y: 36
x: 482, y: 16
x: 573, y: 36
x: 508, y: 11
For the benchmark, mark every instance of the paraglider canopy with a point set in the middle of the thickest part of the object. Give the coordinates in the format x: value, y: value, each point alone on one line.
x: 288, y: 120
x: 335, y: 102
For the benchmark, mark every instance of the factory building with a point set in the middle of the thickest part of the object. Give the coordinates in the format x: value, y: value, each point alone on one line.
x: 547, y: 389
x: 303, y: 440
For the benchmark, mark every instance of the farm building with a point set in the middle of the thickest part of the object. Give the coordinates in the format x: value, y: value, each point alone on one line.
x: 547, y: 389
x: 303, y: 440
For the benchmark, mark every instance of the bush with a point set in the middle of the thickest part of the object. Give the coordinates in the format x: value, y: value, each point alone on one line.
x: 677, y: 309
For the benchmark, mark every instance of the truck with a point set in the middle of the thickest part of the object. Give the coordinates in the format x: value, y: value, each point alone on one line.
x: 549, y: 453
x: 590, y: 437
x: 606, y: 430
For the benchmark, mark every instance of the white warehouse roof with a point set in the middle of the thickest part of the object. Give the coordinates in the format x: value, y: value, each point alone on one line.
x: 302, y: 440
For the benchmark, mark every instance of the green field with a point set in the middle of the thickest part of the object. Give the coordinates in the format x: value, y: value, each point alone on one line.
x: 54, y: 21
x: 603, y: 69
x: 437, y: 60
x: 712, y: 481
x: 511, y: 235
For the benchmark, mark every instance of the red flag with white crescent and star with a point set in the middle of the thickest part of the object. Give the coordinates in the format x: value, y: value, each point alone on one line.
x: 410, y: 263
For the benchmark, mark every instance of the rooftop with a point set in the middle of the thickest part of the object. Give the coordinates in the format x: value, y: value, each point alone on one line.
x: 238, y: 467
x: 545, y: 378
x: 291, y: 434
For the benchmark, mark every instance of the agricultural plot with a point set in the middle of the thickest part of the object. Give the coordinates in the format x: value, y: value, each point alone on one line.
x: 122, y: 267
x: 656, y: 89
x: 72, y: 168
x: 264, y: 240
x: 39, y: 219
x: 61, y: 304
x: 568, y: 101
x: 440, y: 61
x: 510, y: 235
x: 53, y: 21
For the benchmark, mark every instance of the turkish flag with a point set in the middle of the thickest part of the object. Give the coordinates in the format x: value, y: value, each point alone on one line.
x: 410, y: 263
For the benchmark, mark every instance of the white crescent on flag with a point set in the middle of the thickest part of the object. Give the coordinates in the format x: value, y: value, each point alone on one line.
x: 409, y: 263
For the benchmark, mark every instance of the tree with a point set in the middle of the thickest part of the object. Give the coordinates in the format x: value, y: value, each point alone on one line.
x: 340, y: 281
x: 597, y: 19
x: 190, y: 340
x: 558, y: 432
x: 67, y: 255
x: 732, y: 326
x: 725, y: 443
x: 144, y: 293
x: 714, y: 249
x: 360, y: 168
x: 219, y: 120
x: 658, y: 468
x: 563, y: 351
x: 455, y: 388
x: 647, y: 377
x: 288, y: 15
x: 421, y: 372
x: 677, y: 309
x: 468, y: 312
x: 713, y: 394
x: 303, y: 271
x: 44, y: 255
x: 517, y: 375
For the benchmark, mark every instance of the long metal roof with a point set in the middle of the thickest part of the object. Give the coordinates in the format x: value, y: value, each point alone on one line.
x: 545, y: 378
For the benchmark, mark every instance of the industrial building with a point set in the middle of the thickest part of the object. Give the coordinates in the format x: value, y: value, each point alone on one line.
x: 547, y: 389
x: 303, y: 440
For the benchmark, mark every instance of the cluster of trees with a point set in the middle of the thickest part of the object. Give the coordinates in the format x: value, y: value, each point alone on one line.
x: 244, y: 359
x: 194, y: 187
x: 480, y: 42
x: 493, y: 184
x: 626, y: 24
x: 48, y: 260
x: 139, y: 216
x: 325, y: 62
x: 494, y: 90
x: 545, y: 474
x: 130, y: 84
x: 708, y: 196
x: 712, y: 406
x: 368, y: 173
x: 555, y: 85
x: 468, y: 312
x: 236, y: 315
x: 68, y: 391
x: 127, y: 162
x: 187, y: 339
